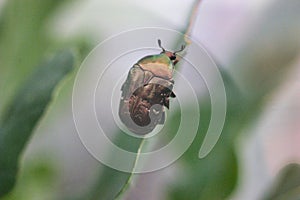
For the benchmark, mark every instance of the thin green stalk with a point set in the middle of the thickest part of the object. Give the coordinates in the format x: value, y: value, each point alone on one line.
x: 129, y: 180
x: 191, y: 22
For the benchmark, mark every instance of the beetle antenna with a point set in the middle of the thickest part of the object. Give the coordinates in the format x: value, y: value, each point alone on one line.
x: 159, y: 44
x: 182, y: 48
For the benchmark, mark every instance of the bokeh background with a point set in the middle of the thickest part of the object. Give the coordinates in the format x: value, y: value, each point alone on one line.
x: 256, y: 45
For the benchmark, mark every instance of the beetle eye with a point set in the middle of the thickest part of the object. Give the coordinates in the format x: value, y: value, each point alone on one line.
x: 173, y: 57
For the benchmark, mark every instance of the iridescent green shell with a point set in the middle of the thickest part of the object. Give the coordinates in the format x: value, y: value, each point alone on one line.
x: 160, y: 65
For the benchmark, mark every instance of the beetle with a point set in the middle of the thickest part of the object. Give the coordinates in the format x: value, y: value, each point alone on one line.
x: 147, y: 91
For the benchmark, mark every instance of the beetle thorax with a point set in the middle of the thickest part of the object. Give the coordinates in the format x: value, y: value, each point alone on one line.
x: 159, y: 65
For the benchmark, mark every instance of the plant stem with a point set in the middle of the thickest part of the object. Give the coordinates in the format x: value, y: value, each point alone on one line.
x: 129, y: 180
x: 191, y: 21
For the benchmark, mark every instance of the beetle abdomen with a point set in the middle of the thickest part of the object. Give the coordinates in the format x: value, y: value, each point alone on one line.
x: 142, y: 105
x: 146, y: 104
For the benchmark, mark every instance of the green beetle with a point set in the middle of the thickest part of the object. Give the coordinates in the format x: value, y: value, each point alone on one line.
x: 147, y: 90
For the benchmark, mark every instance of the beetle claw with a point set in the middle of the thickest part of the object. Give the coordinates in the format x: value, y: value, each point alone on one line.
x: 172, y: 94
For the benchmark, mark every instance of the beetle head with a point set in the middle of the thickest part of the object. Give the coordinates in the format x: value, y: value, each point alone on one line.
x: 172, y: 55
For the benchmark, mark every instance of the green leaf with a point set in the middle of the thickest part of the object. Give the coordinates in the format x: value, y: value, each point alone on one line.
x: 24, y: 39
x: 25, y: 111
x: 287, y: 186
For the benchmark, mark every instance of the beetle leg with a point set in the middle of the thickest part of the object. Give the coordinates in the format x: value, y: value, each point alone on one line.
x: 169, y: 93
x: 166, y: 102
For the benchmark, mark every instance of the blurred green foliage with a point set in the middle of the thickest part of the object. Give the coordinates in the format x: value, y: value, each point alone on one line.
x: 25, y: 111
x: 23, y: 41
x: 36, y: 181
x: 215, y: 176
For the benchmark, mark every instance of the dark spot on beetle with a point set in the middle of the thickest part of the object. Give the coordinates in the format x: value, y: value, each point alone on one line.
x: 173, y: 57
